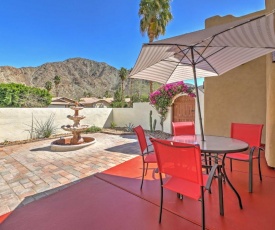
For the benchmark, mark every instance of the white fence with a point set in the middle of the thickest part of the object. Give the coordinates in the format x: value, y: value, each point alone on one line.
x: 15, y: 123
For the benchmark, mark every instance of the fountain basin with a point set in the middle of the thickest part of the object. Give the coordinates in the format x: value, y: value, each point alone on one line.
x: 64, y: 144
x: 79, y: 128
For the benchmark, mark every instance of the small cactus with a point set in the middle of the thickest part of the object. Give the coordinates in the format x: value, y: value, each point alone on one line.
x: 154, y: 126
x: 150, y: 119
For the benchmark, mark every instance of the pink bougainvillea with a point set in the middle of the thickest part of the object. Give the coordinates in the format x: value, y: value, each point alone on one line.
x: 162, y: 98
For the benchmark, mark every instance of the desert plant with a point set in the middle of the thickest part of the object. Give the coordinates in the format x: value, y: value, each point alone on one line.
x: 113, y: 125
x: 150, y: 121
x: 129, y: 127
x: 152, y: 126
x: 93, y: 129
x: 40, y: 129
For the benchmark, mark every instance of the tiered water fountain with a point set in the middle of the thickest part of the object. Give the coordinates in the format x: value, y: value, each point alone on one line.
x: 75, y: 142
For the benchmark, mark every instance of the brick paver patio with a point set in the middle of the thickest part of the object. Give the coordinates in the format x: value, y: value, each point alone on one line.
x: 31, y: 171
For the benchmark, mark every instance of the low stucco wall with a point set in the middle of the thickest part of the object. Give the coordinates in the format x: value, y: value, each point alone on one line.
x: 139, y: 115
x: 15, y: 122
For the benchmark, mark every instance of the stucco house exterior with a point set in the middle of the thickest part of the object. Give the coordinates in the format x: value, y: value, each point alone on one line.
x: 245, y: 94
x: 93, y: 102
x: 61, y: 102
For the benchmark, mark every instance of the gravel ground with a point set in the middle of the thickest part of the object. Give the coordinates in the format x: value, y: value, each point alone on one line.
x: 123, y: 131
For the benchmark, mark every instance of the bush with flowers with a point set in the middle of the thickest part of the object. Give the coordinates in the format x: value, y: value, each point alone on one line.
x: 162, y: 98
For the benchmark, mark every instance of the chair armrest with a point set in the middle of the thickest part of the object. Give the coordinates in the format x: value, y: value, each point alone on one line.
x: 210, y: 177
x: 251, y: 152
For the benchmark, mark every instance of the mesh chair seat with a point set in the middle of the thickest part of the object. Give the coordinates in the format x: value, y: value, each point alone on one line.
x: 240, y: 156
x: 183, y: 128
x: 251, y: 134
x: 185, y: 187
x: 147, y: 156
x: 150, y: 158
x: 182, y: 162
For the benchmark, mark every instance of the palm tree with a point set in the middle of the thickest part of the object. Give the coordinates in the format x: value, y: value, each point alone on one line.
x: 155, y: 15
x: 123, y: 75
x: 48, y: 86
x: 56, y: 81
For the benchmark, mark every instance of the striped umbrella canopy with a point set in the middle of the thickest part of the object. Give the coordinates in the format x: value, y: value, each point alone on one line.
x: 206, y: 53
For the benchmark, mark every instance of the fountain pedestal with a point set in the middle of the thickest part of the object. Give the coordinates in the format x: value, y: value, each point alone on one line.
x: 75, y: 142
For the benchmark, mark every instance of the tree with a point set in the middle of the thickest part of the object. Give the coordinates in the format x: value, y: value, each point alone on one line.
x: 107, y: 94
x: 48, y: 86
x: 57, y: 80
x: 19, y: 95
x: 123, y: 75
x: 87, y: 94
x: 155, y: 15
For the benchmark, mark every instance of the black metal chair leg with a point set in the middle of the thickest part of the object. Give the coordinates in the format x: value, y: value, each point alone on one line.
x: 259, y: 166
x: 229, y: 183
x: 146, y: 168
x: 143, y: 168
x: 161, y: 199
x: 180, y: 196
x: 220, y: 190
x: 250, y: 175
x: 231, y: 165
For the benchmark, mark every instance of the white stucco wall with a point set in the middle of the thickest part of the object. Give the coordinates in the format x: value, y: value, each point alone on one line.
x: 139, y: 115
x: 15, y: 122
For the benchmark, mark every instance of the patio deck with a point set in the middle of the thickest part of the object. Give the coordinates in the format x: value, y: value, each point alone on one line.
x: 112, y: 200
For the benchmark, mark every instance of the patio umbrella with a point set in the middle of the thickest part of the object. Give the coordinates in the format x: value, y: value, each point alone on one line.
x: 206, y: 53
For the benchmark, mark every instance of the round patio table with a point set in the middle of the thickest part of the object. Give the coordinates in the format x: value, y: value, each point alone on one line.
x: 216, y: 145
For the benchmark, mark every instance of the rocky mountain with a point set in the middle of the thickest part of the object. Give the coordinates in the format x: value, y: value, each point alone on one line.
x: 78, y: 76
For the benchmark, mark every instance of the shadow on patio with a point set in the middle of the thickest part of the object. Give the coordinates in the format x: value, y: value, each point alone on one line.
x: 113, y: 200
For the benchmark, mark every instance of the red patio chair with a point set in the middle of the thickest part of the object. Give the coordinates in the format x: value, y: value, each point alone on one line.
x: 147, y: 156
x: 183, y: 163
x: 188, y: 128
x: 183, y: 128
x: 250, y: 133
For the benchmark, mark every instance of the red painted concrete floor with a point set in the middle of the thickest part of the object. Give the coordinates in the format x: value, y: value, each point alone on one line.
x: 113, y: 200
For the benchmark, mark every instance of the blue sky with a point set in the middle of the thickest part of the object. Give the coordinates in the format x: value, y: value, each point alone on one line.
x: 34, y: 32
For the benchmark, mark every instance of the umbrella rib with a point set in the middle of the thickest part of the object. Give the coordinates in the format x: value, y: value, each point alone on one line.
x: 206, y: 62
x: 204, y: 49
x: 210, y: 54
x: 177, y: 62
x: 185, y: 54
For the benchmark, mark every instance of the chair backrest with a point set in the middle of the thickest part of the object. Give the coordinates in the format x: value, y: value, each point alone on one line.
x: 183, y: 128
x: 249, y: 133
x: 179, y: 160
x: 141, y: 138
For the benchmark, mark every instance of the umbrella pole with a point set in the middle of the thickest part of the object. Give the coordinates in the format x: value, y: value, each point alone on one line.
x: 196, y: 88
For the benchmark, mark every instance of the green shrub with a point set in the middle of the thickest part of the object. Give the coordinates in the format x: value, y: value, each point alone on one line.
x: 93, y: 129
x: 19, y: 95
x: 113, y: 125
